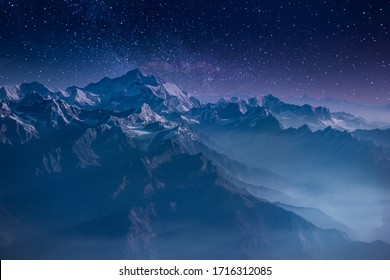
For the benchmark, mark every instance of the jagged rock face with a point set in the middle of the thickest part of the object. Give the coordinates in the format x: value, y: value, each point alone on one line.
x: 122, y: 169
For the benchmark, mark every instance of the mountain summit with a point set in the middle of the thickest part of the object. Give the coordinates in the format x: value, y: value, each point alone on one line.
x: 134, y: 88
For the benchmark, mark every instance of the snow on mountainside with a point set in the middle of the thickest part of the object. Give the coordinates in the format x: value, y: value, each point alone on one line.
x: 81, y: 98
x: 10, y: 92
x: 14, y: 130
x: 176, y: 98
x: 38, y: 110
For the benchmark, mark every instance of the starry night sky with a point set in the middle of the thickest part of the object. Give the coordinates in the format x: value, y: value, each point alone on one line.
x: 320, y: 48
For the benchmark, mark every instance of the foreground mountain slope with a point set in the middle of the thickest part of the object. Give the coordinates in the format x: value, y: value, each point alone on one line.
x: 136, y: 205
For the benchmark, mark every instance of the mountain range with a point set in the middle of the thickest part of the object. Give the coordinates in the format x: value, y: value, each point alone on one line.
x: 135, y: 168
x: 377, y: 114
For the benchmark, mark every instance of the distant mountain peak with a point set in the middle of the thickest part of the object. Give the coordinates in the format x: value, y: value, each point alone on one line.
x: 270, y: 99
x: 119, y: 84
x: 136, y: 72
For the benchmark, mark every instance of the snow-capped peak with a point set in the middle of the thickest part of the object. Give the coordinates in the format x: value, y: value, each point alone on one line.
x: 5, y: 110
x: 11, y: 93
x: 142, y: 117
x: 173, y: 90
x: 147, y: 115
x: 81, y: 97
x: 176, y: 99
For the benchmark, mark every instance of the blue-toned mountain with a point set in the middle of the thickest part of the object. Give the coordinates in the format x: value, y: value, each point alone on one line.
x: 132, y: 167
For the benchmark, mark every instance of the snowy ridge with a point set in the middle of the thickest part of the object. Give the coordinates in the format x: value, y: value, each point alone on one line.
x: 11, y: 93
x: 289, y: 115
x: 81, y: 98
x: 5, y: 111
x: 146, y: 115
